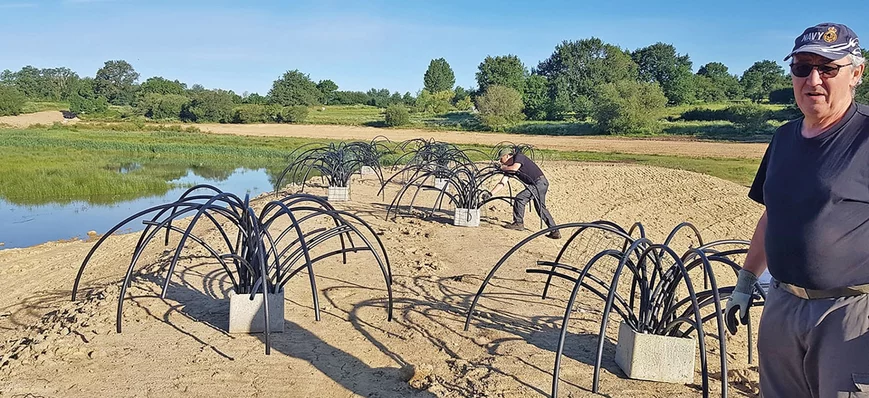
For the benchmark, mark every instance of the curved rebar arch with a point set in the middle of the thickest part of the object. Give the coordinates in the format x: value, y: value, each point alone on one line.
x: 258, y: 263
x: 656, y: 274
x: 522, y: 243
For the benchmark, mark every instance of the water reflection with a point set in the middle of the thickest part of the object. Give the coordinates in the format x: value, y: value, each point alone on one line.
x: 23, y: 226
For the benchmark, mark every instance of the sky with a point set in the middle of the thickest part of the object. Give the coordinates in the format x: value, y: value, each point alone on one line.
x: 363, y: 44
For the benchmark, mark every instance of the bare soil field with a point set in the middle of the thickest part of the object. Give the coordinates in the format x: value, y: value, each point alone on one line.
x: 590, y: 144
x: 179, y: 347
x: 44, y: 117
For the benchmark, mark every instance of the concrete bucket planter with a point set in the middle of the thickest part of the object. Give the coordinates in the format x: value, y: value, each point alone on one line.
x: 339, y: 194
x: 466, y: 217
x: 246, y: 315
x: 645, y: 356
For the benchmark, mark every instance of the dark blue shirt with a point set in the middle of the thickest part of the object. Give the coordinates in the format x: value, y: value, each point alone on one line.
x: 529, y: 172
x: 816, y: 193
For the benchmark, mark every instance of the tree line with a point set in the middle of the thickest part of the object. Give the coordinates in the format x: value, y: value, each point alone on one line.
x: 620, y: 90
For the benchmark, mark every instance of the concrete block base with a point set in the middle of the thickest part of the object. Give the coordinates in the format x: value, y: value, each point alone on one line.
x: 339, y: 194
x: 652, y: 357
x: 440, y: 183
x: 246, y: 315
x: 466, y: 217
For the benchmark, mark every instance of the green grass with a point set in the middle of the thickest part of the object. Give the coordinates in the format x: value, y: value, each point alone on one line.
x: 61, y: 164
x: 41, y: 106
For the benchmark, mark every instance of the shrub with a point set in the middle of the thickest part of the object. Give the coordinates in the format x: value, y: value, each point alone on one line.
x: 11, y: 101
x: 294, y: 114
x: 209, y: 106
x: 252, y: 113
x: 790, y: 112
x: 465, y: 104
x: 89, y: 103
x: 704, y: 115
x: 163, y: 106
x: 748, y: 115
x: 782, y: 96
x: 629, y: 107
x: 396, y: 115
x: 500, y: 106
x: 434, y: 103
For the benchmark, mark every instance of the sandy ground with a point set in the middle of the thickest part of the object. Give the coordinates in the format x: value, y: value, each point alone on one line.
x: 179, y: 347
x: 25, y: 120
x: 593, y: 144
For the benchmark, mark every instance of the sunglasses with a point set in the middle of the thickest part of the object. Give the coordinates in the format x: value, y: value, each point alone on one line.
x: 804, y: 70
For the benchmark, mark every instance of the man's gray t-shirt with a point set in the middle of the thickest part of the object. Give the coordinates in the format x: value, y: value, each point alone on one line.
x: 816, y: 193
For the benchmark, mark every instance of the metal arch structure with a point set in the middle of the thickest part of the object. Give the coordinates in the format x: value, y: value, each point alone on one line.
x: 654, y: 275
x: 268, y: 249
x: 334, y: 162
x: 526, y: 149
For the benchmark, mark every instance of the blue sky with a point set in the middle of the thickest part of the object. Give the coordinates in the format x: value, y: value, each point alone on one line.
x: 244, y: 46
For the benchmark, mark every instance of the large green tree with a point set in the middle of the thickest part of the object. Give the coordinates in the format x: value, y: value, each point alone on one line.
x: 439, y: 76
x: 761, y: 78
x: 535, y: 97
x: 629, y: 107
x: 116, y: 81
x: 327, y: 90
x: 715, y: 83
x: 159, y: 85
x: 863, y: 89
x: 660, y: 63
x: 576, y: 68
x: 503, y: 70
x: 295, y: 88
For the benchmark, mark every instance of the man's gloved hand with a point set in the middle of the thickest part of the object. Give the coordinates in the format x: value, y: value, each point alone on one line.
x: 485, y: 195
x: 740, y: 300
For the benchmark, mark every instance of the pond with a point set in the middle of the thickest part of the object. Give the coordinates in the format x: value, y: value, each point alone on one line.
x: 28, y: 225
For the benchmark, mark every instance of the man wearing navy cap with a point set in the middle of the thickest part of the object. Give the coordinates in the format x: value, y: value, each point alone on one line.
x: 814, y: 232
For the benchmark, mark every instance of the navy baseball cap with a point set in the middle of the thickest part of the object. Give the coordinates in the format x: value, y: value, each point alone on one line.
x: 829, y: 40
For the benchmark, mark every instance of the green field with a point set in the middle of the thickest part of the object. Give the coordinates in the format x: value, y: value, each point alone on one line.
x: 62, y: 164
x: 370, y: 116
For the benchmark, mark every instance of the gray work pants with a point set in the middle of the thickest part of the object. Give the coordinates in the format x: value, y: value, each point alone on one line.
x: 522, y: 198
x: 813, y: 348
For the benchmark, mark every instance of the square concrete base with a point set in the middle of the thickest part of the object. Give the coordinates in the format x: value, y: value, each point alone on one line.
x: 466, y: 217
x: 646, y: 356
x: 246, y: 315
x: 440, y: 183
x: 366, y: 171
x: 339, y: 194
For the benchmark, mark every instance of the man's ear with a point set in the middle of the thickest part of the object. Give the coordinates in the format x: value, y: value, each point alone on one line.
x: 858, y: 72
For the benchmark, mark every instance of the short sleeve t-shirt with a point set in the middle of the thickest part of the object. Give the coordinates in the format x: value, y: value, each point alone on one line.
x: 529, y: 172
x: 816, y: 193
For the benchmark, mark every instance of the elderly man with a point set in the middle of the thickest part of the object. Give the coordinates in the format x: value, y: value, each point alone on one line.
x: 530, y: 174
x: 814, y: 233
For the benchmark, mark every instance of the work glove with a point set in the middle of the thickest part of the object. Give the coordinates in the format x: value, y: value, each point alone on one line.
x: 485, y: 195
x: 740, y: 301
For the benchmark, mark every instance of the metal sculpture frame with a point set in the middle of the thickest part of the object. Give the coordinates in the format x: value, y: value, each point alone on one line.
x: 334, y: 162
x: 264, y: 255
x: 656, y: 271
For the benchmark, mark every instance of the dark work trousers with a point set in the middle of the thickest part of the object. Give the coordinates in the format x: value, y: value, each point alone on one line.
x: 522, y: 198
x: 813, y: 348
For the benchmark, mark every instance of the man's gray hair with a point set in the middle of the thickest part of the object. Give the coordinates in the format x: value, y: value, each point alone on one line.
x: 856, y: 61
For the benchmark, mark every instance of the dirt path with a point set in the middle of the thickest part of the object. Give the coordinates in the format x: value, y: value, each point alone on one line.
x: 591, y: 144
x: 178, y: 347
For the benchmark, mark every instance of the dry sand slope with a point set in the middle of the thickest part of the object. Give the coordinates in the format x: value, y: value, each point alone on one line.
x: 177, y: 347
x: 25, y: 120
